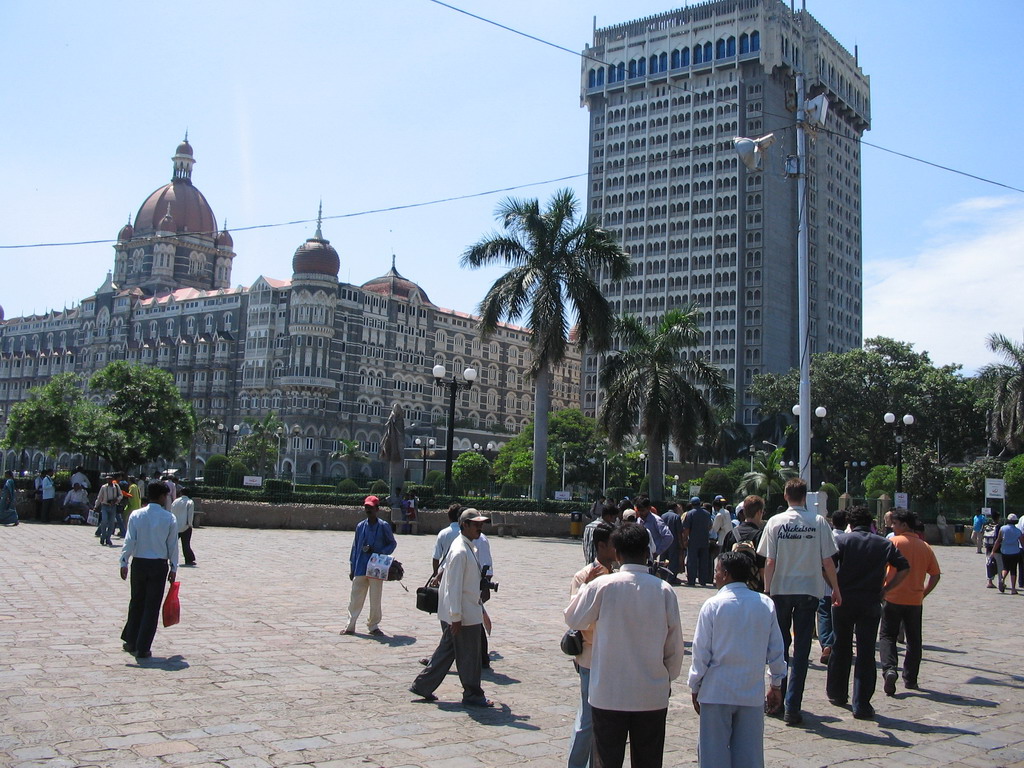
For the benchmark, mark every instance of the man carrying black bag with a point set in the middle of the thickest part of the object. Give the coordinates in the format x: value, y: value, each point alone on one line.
x: 460, y: 610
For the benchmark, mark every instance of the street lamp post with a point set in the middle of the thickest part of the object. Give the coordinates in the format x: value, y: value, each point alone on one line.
x: 805, y: 426
x: 228, y: 431
x: 751, y: 449
x: 890, y: 419
x: 296, y: 431
x: 453, y: 385
x: 564, y: 446
x: 277, y: 465
x: 643, y: 460
x: 855, y: 465
x: 424, y: 445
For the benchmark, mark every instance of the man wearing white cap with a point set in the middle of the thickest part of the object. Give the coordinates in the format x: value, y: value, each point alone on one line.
x: 461, y: 612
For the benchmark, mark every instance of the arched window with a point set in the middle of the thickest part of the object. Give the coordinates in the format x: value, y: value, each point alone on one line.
x: 755, y: 41
x: 720, y: 49
x: 591, y: 78
x: 744, y: 43
x: 730, y: 46
x: 698, y: 54
x: 686, y: 57
x: 632, y: 68
x: 707, y: 52
x: 600, y: 76
x: 676, y: 60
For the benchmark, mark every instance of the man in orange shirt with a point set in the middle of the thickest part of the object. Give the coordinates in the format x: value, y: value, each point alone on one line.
x: 903, y: 605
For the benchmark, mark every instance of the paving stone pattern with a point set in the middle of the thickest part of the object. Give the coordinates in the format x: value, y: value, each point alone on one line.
x: 257, y: 674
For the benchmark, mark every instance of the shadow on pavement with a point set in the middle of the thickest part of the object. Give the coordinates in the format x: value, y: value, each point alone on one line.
x: 979, y: 680
x: 394, y: 640
x: 906, y: 725
x: 937, y: 649
x: 169, y: 663
x: 820, y: 726
x: 498, y: 678
x: 500, y: 714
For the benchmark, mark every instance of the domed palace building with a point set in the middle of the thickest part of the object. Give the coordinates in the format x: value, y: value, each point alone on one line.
x: 329, y: 358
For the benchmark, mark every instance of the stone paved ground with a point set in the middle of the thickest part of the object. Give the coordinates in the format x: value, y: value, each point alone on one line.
x: 257, y: 674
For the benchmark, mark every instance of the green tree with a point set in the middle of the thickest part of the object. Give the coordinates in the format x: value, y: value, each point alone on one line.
x: 880, y: 479
x: 218, y: 467
x: 471, y: 470
x: 675, y: 398
x: 50, y: 417
x: 768, y: 476
x: 552, y: 256
x: 257, y: 449
x: 717, y: 482
x: 351, y: 454
x: 143, y: 416
x: 205, y: 433
x: 859, y: 386
x: 1007, y: 378
x: 1013, y: 476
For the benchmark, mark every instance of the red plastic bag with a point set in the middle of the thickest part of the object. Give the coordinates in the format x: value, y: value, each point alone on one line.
x: 172, y: 608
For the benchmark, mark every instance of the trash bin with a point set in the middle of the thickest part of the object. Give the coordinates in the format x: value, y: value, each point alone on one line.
x: 958, y: 534
x: 575, y: 524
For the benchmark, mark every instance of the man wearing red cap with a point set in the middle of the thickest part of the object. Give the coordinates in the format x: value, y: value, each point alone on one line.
x: 373, y: 537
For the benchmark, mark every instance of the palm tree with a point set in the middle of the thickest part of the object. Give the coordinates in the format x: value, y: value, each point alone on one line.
x: 1007, y: 418
x: 204, y: 434
x: 768, y: 476
x: 257, y: 447
x: 350, y: 453
x: 652, y: 386
x: 553, y: 257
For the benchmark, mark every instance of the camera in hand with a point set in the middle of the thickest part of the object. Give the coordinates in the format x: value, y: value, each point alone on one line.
x: 367, y: 548
x: 486, y: 585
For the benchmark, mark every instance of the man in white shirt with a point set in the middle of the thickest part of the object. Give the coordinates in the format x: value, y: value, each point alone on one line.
x: 76, y: 504
x: 461, y: 613
x: 151, y: 543
x: 184, y: 511
x: 721, y: 524
x: 638, y: 652
x: 49, y: 493
x: 737, y: 634
x: 80, y: 477
x: 445, y: 537
x: 797, y: 546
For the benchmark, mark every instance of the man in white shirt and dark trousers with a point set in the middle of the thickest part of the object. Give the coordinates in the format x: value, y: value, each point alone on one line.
x: 184, y: 511
x: 461, y: 613
x: 737, y: 634
x: 797, y: 546
x: 151, y: 542
x: 637, y: 653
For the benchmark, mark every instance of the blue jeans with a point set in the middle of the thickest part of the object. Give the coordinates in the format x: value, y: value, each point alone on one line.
x: 826, y: 636
x: 582, y: 740
x: 731, y: 736
x: 796, y: 612
x: 107, y: 513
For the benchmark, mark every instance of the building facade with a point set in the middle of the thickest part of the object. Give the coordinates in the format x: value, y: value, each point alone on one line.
x: 667, y: 94
x: 329, y: 358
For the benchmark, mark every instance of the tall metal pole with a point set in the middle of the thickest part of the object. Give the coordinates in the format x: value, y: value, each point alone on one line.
x: 453, y: 389
x: 803, y: 285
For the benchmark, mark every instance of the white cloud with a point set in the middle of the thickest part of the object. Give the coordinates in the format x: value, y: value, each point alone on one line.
x: 962, y: 285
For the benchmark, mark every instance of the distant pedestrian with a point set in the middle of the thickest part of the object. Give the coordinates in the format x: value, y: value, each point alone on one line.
x: 675, y: 553
x: 609, y: 515
x: 826, y: 635
x: 994, y: 561
x: 76, y: 504
x: 184, y: 511
x: 373, y: 537
x: 80, y: 477
x: 737, y: 635
x: 49, y: 494
x: 1007, y: 544
x: 107, y: 499
x: 8, y: 501
x: 978, y: 534
x: 696, y: 540
x: 596, y: 509
x: 151, y: 544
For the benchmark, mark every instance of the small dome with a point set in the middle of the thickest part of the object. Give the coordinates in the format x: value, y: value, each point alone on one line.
x: 316, y: 256
x: 393, y: 284
x: 184, y: 148
x: 167, y: 222
x: 224, y: 240
x: 126, y: 233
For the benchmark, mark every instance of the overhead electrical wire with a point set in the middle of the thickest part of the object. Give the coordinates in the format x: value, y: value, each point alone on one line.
x: 439, y: 201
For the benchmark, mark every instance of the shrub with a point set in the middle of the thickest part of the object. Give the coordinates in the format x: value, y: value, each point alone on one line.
x: 236, y: 472
x: 217, y: 468
x: 348, y: 485
x: 421, y: 492
x: 276, y: 486
x: 380, y: 488
x: 435, y: 478
x: 717, y: 482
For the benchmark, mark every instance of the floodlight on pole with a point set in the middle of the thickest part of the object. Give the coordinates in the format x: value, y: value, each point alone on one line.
x: 752, y: 150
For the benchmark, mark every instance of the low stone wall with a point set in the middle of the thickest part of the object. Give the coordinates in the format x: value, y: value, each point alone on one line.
x: 248, y: 514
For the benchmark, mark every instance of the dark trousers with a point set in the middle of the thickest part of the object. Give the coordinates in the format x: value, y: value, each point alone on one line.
x: 462, y: 649
x: 45, y: 510
x: 186, y: 546
x: 646, y: 732
x: 860, y: 621
x: 147, y: 581
x: 796, y: 613
x: 893, y: 617
x: 698, y: 565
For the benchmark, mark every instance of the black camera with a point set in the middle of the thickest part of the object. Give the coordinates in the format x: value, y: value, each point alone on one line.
x: 486, y: 585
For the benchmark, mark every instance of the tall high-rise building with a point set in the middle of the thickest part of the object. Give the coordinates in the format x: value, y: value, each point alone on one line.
x: 667, y: 94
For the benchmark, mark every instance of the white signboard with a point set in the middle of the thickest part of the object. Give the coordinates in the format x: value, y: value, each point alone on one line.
x: 694, y: 490
x: 903, y: 500
x: 252, y: 481
x: 563, y: 495
x: 995, y: 488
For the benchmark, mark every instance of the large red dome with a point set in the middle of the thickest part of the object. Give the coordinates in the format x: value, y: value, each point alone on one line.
x: 189, y: 209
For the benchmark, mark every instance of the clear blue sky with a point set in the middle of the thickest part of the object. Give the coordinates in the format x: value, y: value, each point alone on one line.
x: 373, y: 105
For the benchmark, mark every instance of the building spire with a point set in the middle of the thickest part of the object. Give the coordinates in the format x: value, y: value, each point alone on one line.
x: 392, y: 262
x: 319, y: 221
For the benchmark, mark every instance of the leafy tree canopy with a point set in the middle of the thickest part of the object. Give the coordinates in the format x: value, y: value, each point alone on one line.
x: 471, y: 470
x: 50, y: 417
